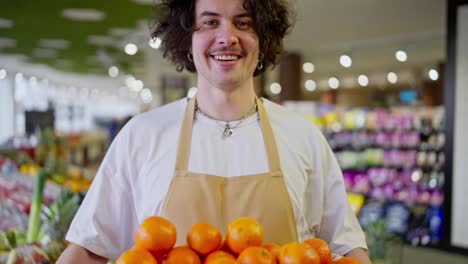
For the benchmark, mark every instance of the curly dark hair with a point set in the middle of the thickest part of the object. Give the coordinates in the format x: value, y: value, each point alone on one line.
x: 175, y: 24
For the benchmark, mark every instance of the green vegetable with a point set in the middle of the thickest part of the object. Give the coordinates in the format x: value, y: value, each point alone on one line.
x: 36, y: 203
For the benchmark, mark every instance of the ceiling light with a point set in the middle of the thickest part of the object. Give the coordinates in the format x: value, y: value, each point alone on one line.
x: 310, y: 85
x: 346, y: 61
x: 433, y: 74
x: 7, y: 43
x: 33, y: 81
x: 129, y: 80
x: 155, y: 43
x: 401, y: 55
x: 3, y: 74
x: 113, y: 71
x: 192, y: 92
x: 334, y: 83
x: 363, y: 80
x: 392, y: 77
x: 308, y: 67
x: 146, y: 96
x: 83, y: 14
x: 275, y: 88
x: 138, y: 85
x: 54, y: 43
x: 6, y: 23
x: 19, y: 77
x: 134, y: 84
x: 131, y: 49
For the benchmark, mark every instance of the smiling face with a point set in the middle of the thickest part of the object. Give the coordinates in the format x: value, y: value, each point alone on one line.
x: 225, y: 46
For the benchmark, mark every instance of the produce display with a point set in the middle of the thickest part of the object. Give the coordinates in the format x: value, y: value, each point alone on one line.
x: 36, y: 203
x: 155, y: 241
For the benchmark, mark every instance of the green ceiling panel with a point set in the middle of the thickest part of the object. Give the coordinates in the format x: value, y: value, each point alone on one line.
x: 42, y: 19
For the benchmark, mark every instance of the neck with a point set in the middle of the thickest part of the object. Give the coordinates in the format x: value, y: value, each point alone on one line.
x: 225, y: 104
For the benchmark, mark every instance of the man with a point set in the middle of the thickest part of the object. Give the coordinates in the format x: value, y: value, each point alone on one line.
x: 223, y: 154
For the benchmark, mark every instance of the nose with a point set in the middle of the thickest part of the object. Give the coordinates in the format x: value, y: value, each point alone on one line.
x: 227, y: 35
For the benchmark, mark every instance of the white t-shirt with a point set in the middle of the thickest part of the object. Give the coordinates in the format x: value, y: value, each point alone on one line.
x: 134, y: 177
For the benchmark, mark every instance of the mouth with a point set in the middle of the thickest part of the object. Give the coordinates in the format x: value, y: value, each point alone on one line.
x: 227, y: 58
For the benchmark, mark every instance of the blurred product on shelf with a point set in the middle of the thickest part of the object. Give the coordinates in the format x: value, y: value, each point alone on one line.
x: 392, y: 161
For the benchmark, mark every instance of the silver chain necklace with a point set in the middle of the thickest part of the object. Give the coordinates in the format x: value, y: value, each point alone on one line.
x: 228, y: 129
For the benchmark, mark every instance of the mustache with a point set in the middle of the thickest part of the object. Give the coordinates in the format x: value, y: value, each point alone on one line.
x: 228, y: 49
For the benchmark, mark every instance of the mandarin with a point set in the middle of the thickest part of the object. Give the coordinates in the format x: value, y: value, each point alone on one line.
x: 204, y: 238
x: 322, y: 248
x: 295, y: 252
x: 156, y: 234
x: 181, y: 255
x: 136, y: 256
x: 274, y: 249
x: 256, y: 255
x: 243, y: 233
x: 219, y: 256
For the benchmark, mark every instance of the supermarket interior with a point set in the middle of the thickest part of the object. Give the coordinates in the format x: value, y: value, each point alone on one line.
x: 386, y: 82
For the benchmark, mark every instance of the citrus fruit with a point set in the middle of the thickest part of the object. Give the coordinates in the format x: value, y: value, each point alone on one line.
x: 294, y: 252
x: 243, y: 233
x: 322, y: 248
x: 256, y: 255
x: 136, y: 256
x: 204, y: 238
x: 156, y: 234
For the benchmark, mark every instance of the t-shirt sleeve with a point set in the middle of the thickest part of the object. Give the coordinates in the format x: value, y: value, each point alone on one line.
x: 339, y: 225
x: 106, y: 220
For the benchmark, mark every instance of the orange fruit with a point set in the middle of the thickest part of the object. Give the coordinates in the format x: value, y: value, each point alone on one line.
x: 322, y: 248
x: 136, y: 256
x: 204, y: 238
x: 219, y: 256
x: 243, y: 233
x: 222, y: 261
x: 256, y: 255
x: 179, y: 255
x: 274, y: 249
x: 156, y: 234
x: 225, y: 247
x: 347, y: 260
x: 295, y: 252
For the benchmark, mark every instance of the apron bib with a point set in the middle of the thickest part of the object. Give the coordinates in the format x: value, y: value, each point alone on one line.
x: 217, y: 200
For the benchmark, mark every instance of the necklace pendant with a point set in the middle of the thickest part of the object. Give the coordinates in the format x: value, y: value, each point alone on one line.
x: 227, y: 130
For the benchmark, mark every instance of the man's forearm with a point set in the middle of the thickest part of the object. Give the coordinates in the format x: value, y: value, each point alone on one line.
x: 75, y: 254
x: 359, y: 254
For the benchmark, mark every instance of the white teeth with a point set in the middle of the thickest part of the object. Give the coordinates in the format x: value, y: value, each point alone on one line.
x: 226, y: 57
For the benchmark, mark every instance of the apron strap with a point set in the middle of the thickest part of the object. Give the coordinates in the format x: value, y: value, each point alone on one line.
x: 185, y: 138
x: 269, y: 138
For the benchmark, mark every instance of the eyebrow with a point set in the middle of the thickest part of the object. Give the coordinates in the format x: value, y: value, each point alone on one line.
x: 209, y: 13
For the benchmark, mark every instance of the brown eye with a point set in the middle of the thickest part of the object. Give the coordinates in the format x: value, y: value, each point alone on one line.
x: 210, y: 23
x: 243, y: 24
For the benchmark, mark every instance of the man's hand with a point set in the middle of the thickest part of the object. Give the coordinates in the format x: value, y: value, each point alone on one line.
x: 75, y: 254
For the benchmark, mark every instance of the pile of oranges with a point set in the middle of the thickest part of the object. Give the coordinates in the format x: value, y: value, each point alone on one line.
x: 156, y: 237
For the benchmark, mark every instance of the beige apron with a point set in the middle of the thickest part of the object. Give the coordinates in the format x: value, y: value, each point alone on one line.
x: 194, y: 197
